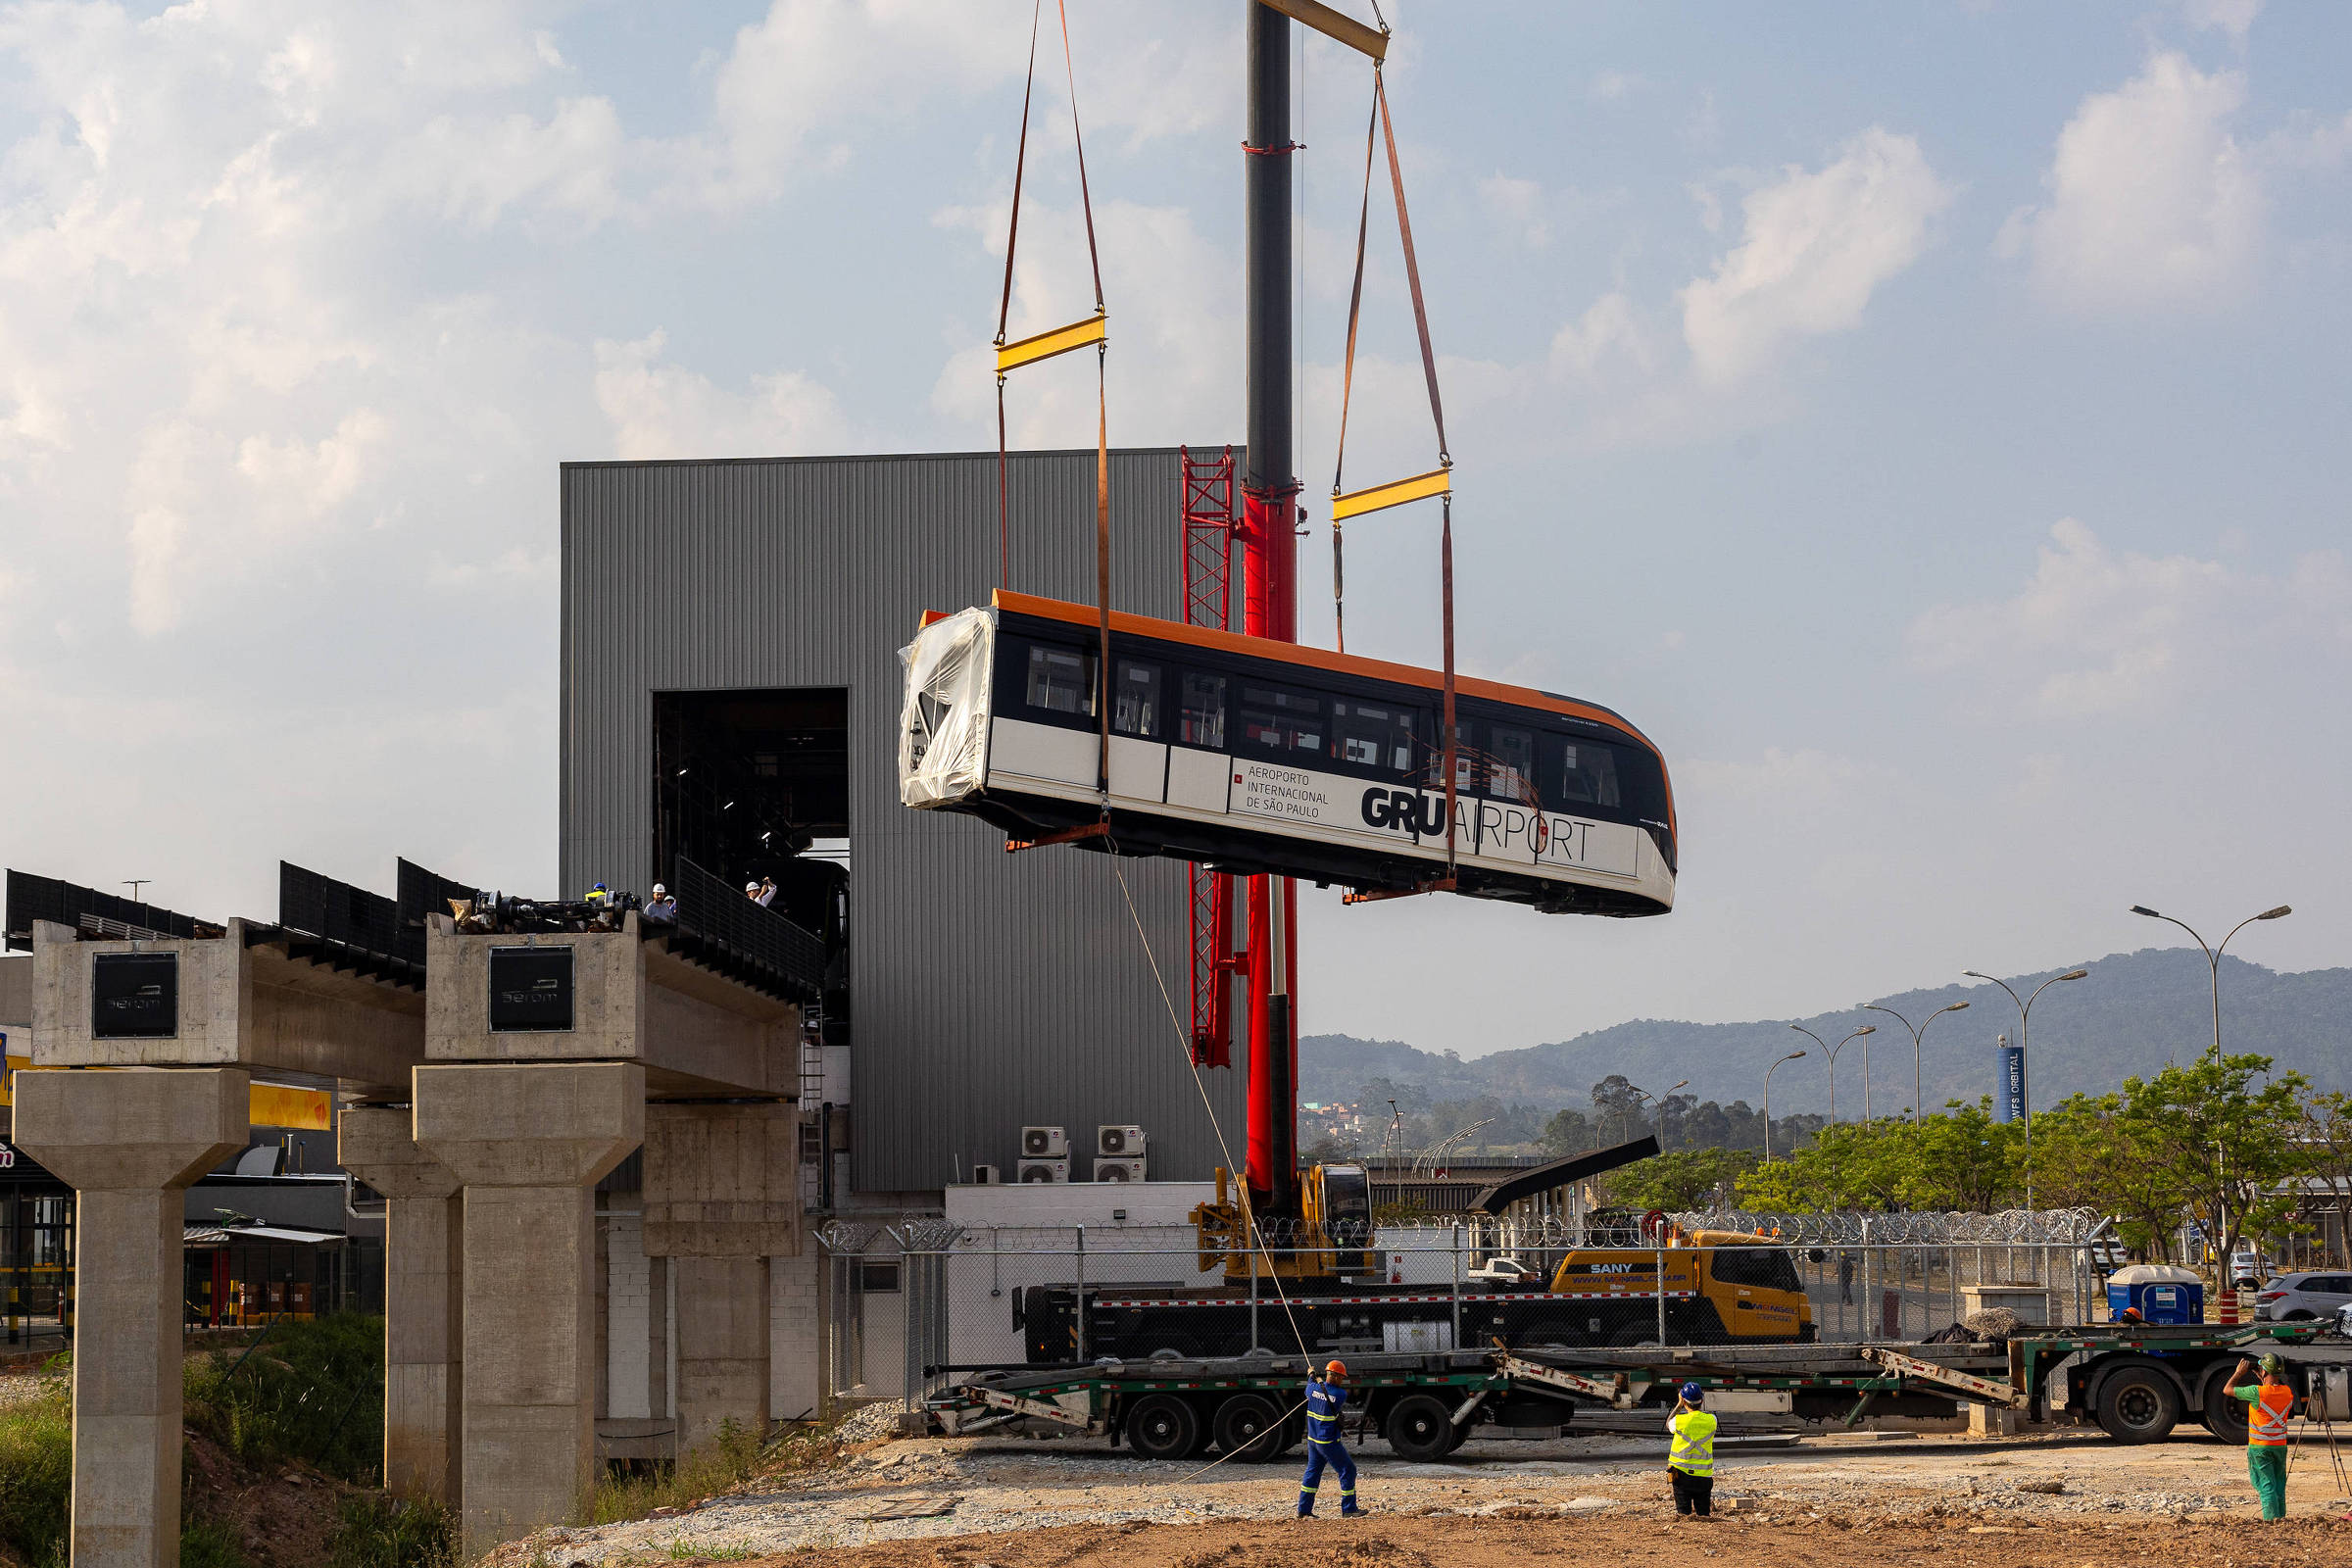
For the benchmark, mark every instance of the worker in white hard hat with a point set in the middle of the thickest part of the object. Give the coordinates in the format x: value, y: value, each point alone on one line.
x: 662, y: 907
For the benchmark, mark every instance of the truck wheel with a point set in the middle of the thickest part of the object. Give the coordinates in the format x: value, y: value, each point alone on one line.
x: 1636, y: 1334
x: 1162, y: 1427
x: 1550, y: 1334
x: 1420, y: 1428
x: 2224, y: 1417
x: 2139, y: 1404
x: 1248, y: 1427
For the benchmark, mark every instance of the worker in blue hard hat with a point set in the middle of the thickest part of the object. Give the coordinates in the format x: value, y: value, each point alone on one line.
x: 1326, y: 1397
x: 1690, y: 1465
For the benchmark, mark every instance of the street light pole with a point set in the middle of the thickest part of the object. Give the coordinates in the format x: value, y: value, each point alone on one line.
x: 1831, y: 1051
x: 1918, y: 1094
x: 2213, y: 956
x: 1792, y: 1056
x: 2025, y: 1059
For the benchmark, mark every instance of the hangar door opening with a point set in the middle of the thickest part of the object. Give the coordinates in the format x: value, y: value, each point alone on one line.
x: 753, y: 785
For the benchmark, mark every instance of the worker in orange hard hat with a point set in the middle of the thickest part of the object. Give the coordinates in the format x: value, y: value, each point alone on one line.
x: 1326, y: 1397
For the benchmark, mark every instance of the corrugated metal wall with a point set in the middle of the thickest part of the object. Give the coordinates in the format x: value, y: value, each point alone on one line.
x: 990, y: 990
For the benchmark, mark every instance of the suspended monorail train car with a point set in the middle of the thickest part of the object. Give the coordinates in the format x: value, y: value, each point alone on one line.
x: 1255, y: 757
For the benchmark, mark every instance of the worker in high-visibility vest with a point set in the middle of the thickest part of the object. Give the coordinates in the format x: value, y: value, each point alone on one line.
x: 1326, y: 1397
x: 1690, y: 1465
x: 2269, y: 1402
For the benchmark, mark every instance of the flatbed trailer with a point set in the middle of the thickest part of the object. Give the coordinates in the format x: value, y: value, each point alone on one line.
x: 2136, y: 1382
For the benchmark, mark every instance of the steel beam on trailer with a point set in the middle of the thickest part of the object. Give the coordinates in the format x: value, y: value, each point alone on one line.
x: 1908, y: 1366
x: 1035, y: 1409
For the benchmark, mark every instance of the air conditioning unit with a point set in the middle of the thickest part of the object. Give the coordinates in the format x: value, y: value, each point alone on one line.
x: 1045, y: 1142
x: 1118, y: 1170
x: 1122, y: 1142
x: 988, y: 1175
x: 1043, y: 1170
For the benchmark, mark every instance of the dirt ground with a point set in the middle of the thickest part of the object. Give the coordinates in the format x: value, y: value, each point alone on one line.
x: 2050, y: 1501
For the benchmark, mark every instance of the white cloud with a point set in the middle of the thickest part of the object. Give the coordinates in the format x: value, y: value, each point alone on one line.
x: 1814, y: 248
x: 2097, y: 632
x: 2152, y: 203
x: 2232, y: 17
x: 1517, y: 206
x: 665, y: 411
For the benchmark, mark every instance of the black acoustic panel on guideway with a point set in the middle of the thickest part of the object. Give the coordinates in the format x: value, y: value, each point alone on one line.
x: 422, y: 892
x: 134, y: 996
x: 530, y: 989
x: 321, y: 907
x: 45, y: 897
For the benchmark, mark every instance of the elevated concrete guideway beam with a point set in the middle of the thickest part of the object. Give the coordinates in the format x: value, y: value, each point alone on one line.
x: 242, y: 1000
x: 696, y: 1032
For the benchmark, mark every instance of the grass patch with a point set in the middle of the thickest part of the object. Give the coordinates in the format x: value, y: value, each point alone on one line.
x: 36, y: 1475
x: 718, y: 1467
x: 208, y: 1544
x: 376, y: 1531
x: 310, y: 1390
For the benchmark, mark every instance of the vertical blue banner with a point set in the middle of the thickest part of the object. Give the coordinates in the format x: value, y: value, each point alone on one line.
x: 2009, y: 1099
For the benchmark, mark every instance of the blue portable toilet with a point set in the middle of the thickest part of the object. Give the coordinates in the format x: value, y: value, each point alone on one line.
x: 2164, y: 1293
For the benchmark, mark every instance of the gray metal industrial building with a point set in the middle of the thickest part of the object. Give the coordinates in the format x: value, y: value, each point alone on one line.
x: 751, y: 611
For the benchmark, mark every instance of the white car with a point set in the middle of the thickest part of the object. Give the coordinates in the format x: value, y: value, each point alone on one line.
x: 2300, y: 1297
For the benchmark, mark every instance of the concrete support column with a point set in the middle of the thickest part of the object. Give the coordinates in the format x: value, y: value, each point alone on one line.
x: 529, y: 1141
x: 128, y: 1143
x: 722, y: 1347
x: 425, y: 1234
x: 721, y: 1197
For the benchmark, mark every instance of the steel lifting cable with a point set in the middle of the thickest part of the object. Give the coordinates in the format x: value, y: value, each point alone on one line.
x: 1258, y: 1234
x: 1046, y: 345
x: 1379, y: 131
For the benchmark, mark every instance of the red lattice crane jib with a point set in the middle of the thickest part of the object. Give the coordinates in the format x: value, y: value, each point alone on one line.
x: 1208, y: 527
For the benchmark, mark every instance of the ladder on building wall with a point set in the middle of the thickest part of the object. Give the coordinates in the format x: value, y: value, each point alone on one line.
x: 1208, y: 527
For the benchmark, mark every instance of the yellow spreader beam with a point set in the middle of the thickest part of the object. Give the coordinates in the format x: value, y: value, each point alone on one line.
x: 1396, y: 493
x: 1045, y: 345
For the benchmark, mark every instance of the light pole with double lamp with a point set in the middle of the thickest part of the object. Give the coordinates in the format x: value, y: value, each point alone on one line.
x: 1831, y: 1051
x: 2212, y: 955
x: 2025, y: 1059
x: 1918, y: 1104
x: 1792, y: 1056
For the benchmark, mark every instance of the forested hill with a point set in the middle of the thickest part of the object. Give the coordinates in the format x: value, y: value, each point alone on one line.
x: 2134, y: 1011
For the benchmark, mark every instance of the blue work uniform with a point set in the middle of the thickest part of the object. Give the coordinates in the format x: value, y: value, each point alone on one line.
x: 1324, y: 1402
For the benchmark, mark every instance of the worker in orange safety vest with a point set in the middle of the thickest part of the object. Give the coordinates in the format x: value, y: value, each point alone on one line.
x: 2269, y: 1402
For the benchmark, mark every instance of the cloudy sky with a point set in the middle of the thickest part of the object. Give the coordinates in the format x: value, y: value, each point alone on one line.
x: 1928, y: 421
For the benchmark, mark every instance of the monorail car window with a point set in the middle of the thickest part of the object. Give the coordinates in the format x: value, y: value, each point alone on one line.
x: 1588, y: 776
x: 1373, y: 735
x: 1135, y: 708
x: 1511, y: 762
x: 1200, y: 715
x: 1283, y: 720
x: 1061, y: 680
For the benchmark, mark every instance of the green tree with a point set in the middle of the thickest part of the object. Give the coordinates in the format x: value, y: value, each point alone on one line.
x: 2227, y: 1142
x: 1569, y: 1132
x: 1960, y: 1159
x: 1686, y: 1179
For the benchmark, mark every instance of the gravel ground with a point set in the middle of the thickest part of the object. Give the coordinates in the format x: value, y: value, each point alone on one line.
x: 20, y: 1388
x: 941, y: 1488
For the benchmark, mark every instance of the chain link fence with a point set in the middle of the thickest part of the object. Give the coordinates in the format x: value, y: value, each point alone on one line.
x: 921, y: 1303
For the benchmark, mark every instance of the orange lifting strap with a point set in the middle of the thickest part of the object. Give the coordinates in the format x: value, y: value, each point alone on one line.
x: 1045, y: 346
x: 1438, y: 482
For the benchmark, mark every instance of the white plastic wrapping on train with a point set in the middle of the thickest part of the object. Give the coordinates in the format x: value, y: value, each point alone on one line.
x: 942, y: 723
